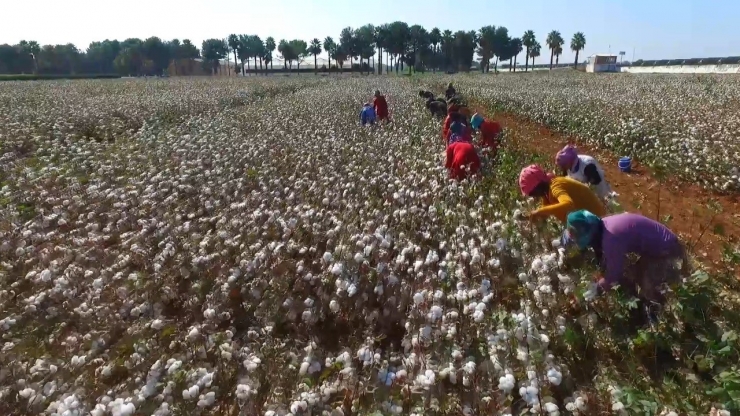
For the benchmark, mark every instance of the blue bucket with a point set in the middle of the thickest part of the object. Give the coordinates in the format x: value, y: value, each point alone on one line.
x: 625, y: 164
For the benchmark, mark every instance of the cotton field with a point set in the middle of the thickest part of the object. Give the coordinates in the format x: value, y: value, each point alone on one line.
x: 243, y: 247
x: 687, y: 124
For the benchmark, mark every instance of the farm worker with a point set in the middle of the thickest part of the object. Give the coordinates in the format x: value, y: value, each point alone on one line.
x: 454, y: 118
x: 367, y: 115
x: 380, y: 105
x: 450, y: 92
x: 426, y: 94
x: 560, y: 195
x: 455, y: 106
x: 584, y: 169
x: 459, y: 133
x: 615, y: 237
x: 438, y: 108
x: 489, y: 131
x: 462, y: 160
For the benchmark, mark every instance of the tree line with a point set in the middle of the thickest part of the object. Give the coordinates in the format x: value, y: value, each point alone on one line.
x: 396, y: 44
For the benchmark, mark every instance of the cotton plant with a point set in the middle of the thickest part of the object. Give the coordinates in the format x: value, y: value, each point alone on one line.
x: 225, y: 250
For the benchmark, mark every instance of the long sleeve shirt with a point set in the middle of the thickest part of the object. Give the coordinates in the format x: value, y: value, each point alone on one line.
x: 367, y: 115
x: 568, y: 195
x: 632, y: 233
x: 459, y: 156
x: 381, y: 106
x: 489, y: 133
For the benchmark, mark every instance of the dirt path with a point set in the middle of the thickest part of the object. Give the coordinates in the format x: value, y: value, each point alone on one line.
x: 683, y: 207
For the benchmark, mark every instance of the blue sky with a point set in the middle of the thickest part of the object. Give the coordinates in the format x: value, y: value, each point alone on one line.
x: 654, y: 28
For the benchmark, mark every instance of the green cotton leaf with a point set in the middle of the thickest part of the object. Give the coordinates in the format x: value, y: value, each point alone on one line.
x: 734, y: 395
x: 725, y: 350
x: 729, y: 336
x: 700, y: 276
x: 717, y: 391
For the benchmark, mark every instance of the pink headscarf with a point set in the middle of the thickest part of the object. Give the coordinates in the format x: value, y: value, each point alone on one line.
x: 531, y: 177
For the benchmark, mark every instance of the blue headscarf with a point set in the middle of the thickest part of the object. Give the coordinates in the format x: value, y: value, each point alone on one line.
x: 581, y: 228
x: 456, y: 127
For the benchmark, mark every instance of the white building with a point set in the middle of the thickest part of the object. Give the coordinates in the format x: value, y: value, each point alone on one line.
x: 602, y: 63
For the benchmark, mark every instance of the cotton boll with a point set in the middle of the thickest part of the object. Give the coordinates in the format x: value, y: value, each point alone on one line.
x: 554, y: 376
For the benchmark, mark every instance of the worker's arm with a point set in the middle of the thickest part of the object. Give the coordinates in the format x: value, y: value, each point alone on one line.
x: 559, y: 209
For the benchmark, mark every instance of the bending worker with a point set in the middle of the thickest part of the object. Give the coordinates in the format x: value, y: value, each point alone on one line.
x: 584, y: 169
x: 615, y: 237
x: 559, y: 195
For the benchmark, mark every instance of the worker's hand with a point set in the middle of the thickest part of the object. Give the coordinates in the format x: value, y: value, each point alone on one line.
x: 535, y: 216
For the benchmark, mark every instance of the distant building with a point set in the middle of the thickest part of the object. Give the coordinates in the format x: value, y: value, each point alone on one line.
x: 602, y: 63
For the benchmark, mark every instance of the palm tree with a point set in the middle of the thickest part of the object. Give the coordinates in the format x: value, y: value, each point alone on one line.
x: 435, y: 37
x: 558, y: 52
x: 329, y: 47
x: 486, y: 40
x: 340, y: 55
x: 314, y: 49
x: 419, y: 38
x: 516, y: 49
x: 258, y: 48
x: 554, y: 40
x: 348, y: 41
x: 244, y: 51
x: 380, y: 36
x: 535, y: 52
x: 447, y: 40
x: 577, y: 44
x: 528, y: 40
x: 233, y: 42
x: 270, y: 46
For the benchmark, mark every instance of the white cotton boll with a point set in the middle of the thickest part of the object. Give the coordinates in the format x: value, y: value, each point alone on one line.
x: 337, y: 269
x: 617, y: 407
x: 126, y: 409
x: 359, y: 258
x: 193, y: 334
x: 552, y: 409
x: 352, y: 290
x: 304, y: 368
x: 243, y: 391
x: 591, y: 293
x: 478, y: 316
x: 506, y: 383
x: 435, y: 312
x: 27, y: 392
x: 418, y: 298
x: 209, y: 313
x: 334, y: 306
x: 554, y: 376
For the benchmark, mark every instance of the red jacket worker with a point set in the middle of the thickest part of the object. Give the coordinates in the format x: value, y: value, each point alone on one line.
x: 381, y: 106
x: 489, y: 131
x: 462, y: 160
